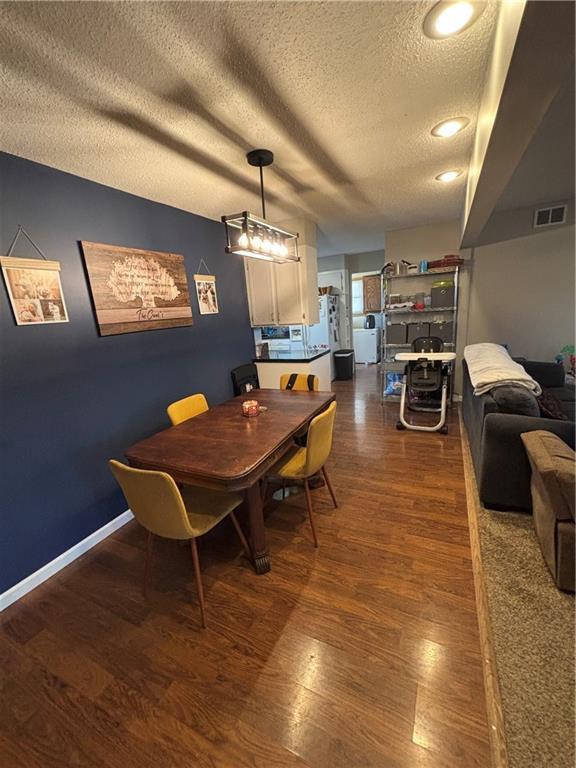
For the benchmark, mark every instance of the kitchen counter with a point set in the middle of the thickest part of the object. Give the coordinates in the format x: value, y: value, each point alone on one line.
x: 302, y: 356
x: 272, y: 366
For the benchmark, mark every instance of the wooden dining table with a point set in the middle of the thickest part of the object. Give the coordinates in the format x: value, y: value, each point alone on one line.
x: 224, y: 450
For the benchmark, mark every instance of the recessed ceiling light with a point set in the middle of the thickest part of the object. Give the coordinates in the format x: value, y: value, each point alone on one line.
x: 449, y: 17
x: 448, y: 175
x: 451, y: 127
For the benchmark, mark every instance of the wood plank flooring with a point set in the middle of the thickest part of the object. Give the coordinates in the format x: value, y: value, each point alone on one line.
x: 362, y: 654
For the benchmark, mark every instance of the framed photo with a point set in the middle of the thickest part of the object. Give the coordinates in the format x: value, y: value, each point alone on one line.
x: 206, y: 292
x: 35, y: 290
x: 135, y: 290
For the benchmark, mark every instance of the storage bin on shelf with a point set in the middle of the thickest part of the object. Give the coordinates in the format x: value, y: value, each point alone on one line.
x: 442, y: 293
x: 416, y: 330
x: 396, y: 333
x: 443, y: 330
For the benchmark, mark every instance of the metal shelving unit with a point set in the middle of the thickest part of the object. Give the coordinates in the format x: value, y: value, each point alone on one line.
x: 420, y: 311
x: 449, y: 314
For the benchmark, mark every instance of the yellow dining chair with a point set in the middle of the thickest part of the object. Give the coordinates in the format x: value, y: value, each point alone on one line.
x: 301, y: 382
x: 164, y: 510
x: 303, y: 463
x: 187, y: 408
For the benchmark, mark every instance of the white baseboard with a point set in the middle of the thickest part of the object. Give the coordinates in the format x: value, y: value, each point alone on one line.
x: 44, y: 573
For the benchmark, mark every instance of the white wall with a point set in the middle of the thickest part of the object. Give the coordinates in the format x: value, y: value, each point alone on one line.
x: 330, y: 263
x: 308, y: 268
x: 522, y: 293
x: 428, y: 242
x: 518, y: 222
x: 372, y: 261
x: 353, y: 262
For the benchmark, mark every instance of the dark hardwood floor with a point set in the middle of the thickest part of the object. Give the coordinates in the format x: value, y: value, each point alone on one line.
x: 363, y: 653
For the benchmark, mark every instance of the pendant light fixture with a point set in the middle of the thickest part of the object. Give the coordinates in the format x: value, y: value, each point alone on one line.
x: 249, y: 235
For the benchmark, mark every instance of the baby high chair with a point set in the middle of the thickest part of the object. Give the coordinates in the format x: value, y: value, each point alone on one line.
x: 426, y: 382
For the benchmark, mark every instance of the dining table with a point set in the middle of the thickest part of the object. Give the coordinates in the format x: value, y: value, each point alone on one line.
x: 225, y: 450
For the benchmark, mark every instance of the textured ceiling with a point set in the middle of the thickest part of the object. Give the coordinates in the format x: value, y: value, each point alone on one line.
x: 163, y: 100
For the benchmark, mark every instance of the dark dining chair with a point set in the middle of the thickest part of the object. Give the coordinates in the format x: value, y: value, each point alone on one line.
x: 245, y: 379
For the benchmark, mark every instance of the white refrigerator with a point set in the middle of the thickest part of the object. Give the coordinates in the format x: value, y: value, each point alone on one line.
x: 326, y: 333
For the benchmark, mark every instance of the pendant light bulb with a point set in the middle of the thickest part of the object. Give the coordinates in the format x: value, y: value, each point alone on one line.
x: 243, y: 240
x: 267, y: 244
x: 256, y: 242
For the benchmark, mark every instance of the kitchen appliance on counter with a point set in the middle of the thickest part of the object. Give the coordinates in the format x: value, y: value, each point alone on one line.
x: 369, y: 322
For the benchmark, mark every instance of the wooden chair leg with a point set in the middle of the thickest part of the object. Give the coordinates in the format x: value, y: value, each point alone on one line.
x: 149, y: 548
x: 241, y: 536
x: 198, y: 576
x: 310, y: 511
x: 329, y: 485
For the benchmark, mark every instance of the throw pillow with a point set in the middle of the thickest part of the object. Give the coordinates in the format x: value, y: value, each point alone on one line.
x: 519, y: 400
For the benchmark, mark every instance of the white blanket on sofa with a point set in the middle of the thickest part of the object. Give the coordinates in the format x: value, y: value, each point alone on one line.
x: 491, y: 366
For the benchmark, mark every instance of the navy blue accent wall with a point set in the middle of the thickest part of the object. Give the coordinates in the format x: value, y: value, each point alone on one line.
x: 71, y: 399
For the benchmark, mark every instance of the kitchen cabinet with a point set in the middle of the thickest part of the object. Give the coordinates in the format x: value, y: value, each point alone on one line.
x: 260, y: 285
x: 372, y: 294
x: 285, y: 294
x: 274, y: 293
x: 287, y: 284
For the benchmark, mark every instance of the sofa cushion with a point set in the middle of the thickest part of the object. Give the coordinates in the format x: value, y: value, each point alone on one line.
x: 550, y: 406
x: 553, y: 461
x: 546, y: 374
x: 565, y: 393
x: 519, y: 400
x: 569, y: 410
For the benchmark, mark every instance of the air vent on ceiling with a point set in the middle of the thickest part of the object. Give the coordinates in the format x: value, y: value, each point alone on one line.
x: 547, y: 217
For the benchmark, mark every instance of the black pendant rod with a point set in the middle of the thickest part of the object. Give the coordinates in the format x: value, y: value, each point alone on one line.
x: 262, y: 192
x: 260, y: 158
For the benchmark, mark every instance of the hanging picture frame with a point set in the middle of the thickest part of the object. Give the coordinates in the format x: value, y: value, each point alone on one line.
x: 35, y: 290
x: 136, y: 290
x: 206, y: 293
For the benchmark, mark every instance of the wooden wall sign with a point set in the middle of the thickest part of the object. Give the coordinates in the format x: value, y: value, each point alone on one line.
x: 35, y: 290
x: 135, y: 290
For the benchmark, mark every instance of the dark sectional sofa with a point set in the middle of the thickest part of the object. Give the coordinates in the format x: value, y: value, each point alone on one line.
x: 500, y: 461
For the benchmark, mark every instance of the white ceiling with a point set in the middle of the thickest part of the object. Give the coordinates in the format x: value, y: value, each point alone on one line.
x: 163, y: 100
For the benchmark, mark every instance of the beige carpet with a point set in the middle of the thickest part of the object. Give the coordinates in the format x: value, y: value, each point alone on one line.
x: 533, y: 638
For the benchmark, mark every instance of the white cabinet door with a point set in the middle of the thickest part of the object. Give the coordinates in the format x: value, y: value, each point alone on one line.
x: 260, y: 284
x: 288, y: 294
